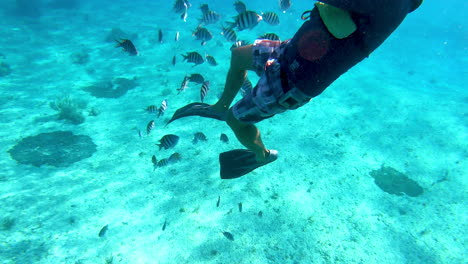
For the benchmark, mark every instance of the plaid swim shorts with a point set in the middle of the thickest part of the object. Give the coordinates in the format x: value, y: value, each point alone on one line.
x: 262, y: 102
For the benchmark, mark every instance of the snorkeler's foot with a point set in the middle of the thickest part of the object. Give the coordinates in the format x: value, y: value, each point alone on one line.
x: 198, y: 109
x: 238, y: 162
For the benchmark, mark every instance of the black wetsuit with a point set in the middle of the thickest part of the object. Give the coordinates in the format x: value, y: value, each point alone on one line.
x: 326, y: 57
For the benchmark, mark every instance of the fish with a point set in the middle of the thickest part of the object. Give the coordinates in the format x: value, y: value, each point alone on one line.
x: 204, y: 8
x: 139, y: 133
x: 246, y: 87
x: 197, y: 78
x: 164, y: 225
x: 240, y: 7
x: 181, y: 6
x: 103, y: 231
x: 202, y: 34
x: 160, y: 36
x: 199, y: 136
x: 224, y: 138
x: 184, y: 84
x: 193, y: 57
x: 204, y: 90
x: 240, y: 207
x: 163, y: 163
x: 271, y: 18
x: 149, y: 127
x: 270, y: 36
x: 219, y: 200
x: 284, y: 5
x: 211, y: 60
x: 151, y: 109
x: 154, y: 161
x: 210, y: 17
x: 184, y: 15
x: 239, y: 43
x: 162, y: 108
x: 175, y: 157
x: 177, y: 36
x: 228, y: 235
x: 229, y: 34
x: 168, y: 141
x: 127, y: 46
x: 174, y: 60
x: 245, y: 20
x: 260, y: 214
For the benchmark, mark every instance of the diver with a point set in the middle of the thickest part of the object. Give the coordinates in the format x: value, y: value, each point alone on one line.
x: 336, y: 36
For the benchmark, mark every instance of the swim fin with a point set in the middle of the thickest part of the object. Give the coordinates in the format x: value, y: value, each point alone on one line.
x: 197, y: 109
x: 238, y: 162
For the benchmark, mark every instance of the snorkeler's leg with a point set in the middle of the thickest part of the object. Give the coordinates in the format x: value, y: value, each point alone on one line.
x: 241, y: 62
x: 249, y: 136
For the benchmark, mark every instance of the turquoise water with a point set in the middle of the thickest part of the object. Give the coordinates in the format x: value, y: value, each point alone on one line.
x: 90, y: 194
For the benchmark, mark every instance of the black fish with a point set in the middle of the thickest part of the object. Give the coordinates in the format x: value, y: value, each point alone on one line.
x: 199, y: 136
x: 175, y: 157
x: 260, y: 214
x: 103, y: 231
x: 204, y: 90
x: 271, y: 18
x: 174, y: 60
x: 224, y: 138
x: 127, y: 46
x: 240, y: 7
x: 284, y: 5
x: 154, y: 161
x: 193, y: 57
x: 181, y: 6
x: 162, y: 108
x: 246, y: 87
x: 151, y: 109
x: 149, y: 127
x: 229, y: 34
x: 202, y: 34
x: 211, y: 60
x: 184, y: 84
x: 246, y: 20
x: 168, y: 141
x: 160, y: 36
x: 228, y: 235
x: 197, y: 78
x: 164, y: 225
x: 210, y: 17
x: 219, y: 200
x: 270, y: 36
x: 240, y: 207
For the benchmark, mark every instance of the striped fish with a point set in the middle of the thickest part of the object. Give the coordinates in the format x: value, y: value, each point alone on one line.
x: 229, y: 34
x: 210, y: 17
x: 197, y: 78
x: 246, y: 20
x: 149, y: 127
x: 193, y: 57
x: 127, y: 46
x: 270, y: 36
x: 202, y: 34
x: 284, y: 5
x: 163, y: 163
x: 204, y: 8
x: 199, y: 136
x: 181, y: 6
x: 211, y: 60
x: 162, y: 108
x: 204, y: 90
x: 184, y: 84
x: 151, y: 109
x: 168, y: 141
x: 271, y: 18
x: 240, y: 7
x: 175, y: 157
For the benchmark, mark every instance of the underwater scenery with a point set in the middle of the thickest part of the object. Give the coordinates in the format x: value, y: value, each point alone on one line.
x: 104, y: 159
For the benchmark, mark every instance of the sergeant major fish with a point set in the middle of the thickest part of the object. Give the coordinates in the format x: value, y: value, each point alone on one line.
x: 168, y: 141
x: 193, y: 57
x: 184, y: 84
x: 127, y: 46
x: 204, y: 90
